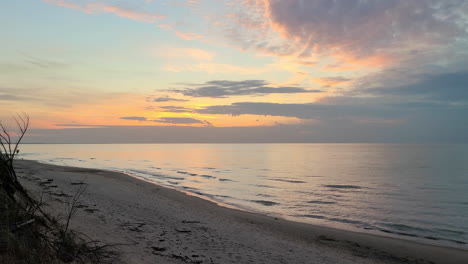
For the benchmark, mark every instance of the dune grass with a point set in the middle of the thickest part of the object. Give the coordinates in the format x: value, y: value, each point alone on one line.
x: 28, y: 234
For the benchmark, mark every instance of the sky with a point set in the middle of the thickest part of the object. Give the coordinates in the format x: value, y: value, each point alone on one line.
x: 245, y: 71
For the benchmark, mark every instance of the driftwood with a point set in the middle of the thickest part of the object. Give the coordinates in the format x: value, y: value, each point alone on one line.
x: 17, y: 226
x: 12, y: 228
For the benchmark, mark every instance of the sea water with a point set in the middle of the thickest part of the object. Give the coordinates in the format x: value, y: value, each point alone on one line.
x: 416, y: 192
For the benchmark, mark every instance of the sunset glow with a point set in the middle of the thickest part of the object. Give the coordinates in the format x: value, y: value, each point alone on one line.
x: 315, y: 66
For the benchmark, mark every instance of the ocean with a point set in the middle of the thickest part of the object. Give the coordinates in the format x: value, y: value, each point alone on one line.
x: 414, y: 192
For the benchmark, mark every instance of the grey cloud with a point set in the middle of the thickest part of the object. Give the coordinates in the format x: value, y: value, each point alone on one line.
x: 341, y: 108
x: 222, y: 88
x: 166, y: 99
x: 77, y: 125
x: 136, y: 118
x: 45, y: 63
x: 176, y: 109
x: 178, y: 120
x: 360, y: 28
x: 428, y: 127
x: 336, y: 79
x: 12, y: 94
x: 302, y: 111
x: 439, y: 87
x: 10, y: 97
x: 169, y: 120
x: 41, y: 62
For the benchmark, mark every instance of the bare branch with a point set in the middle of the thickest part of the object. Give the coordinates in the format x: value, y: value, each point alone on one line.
x: 23, y: 126
x: 74, y: 204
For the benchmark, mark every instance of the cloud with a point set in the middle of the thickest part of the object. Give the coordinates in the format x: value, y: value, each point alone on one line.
x: 179, y: 120
x: 168, y: 120
x: 42, y: 63
x: 215, y: 68
x: 198, y: 54
x: 451, y: 86
x: 429, y: 127
x: 331, y: 81
x: 306, y: 63
x: 11, y: 97
x: 301, y: 111
x: 136, y: 118
x: 166, y: 26
x: 353, y: 110
x: 176, y: 109
x: 222, y: 89
x: 188, y: 35
x: 373, y: 31
x: 78, y: 126
x: 95, y: 7
x: 165, y: 99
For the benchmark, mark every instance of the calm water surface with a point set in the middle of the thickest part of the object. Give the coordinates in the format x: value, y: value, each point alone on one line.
x: 417, y: 192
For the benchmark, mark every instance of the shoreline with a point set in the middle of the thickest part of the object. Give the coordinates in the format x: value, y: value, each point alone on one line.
x: 218, y: 202
x: 122, y: 208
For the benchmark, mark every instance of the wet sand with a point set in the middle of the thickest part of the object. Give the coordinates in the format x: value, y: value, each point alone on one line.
x: 154, y: 224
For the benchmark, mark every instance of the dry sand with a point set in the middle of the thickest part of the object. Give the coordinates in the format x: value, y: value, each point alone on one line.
x: 153, y: 224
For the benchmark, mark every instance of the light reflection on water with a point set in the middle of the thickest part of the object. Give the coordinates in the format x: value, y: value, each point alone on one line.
x: 411, y: 191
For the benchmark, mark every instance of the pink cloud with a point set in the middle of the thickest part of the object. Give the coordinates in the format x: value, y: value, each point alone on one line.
x: 331, y: 81
x: 367, y: 33
x: 63, y: 3
x: 198, y: 54
x: 215, y: 68
x: 96, y: 7
x: 188, y: 36
x: 166, y: 26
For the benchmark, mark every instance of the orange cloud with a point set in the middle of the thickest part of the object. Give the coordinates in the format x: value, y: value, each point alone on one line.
x: 307, y: 63
x: 214, y: 68
x: 198, y: 54
x: 331, y: 81
x: 374, y: 61
x: 375, y: 35
x: 113, y: 9
x: 338, y: 68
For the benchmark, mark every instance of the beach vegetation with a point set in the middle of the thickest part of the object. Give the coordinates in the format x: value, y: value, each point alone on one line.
x: 28, y: 234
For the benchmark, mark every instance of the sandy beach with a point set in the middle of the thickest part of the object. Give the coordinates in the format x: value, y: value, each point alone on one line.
x: 154, y: 224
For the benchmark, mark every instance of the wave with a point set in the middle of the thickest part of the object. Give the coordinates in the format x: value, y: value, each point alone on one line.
x: 194, y: 174
x: 404, y: 227
x: 225, y: 180
x: 431, y: 234
x: 207, y: 176
x: 142, y: 172
x: 283, y: 180
x: 320, y: 202
x: 266, y: 203
x: 265, y: 186
x: 264, y: 195
x: 173, y: 182
x: 396, y: 229
x: 312, y: 216
x: 348, y: 221
x: 456, y: 232
x: 339, y: 186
